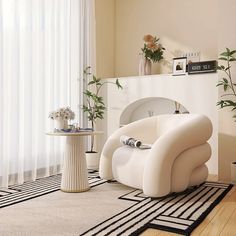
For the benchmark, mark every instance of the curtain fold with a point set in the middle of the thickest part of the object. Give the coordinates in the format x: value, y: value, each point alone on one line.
x: 43, y: 51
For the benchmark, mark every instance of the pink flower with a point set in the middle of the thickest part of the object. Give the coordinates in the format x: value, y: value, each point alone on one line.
x: 153, y: 46
x: 148, y: 38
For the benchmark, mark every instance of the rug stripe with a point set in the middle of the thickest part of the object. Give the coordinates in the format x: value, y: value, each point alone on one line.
x: 175, y: 220
x: 42, y: 186
x: 188, y: 201
x: 177, y: 213
x: 187, y: 198
x: 191, y: 206
x: 152, y: 215
x: 197, y: 211
x: 170, y: 224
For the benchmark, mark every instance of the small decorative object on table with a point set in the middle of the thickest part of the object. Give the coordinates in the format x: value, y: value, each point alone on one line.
x: 61, y: 116
x: 202, y: 67
x: 179, y: 65
x: 152, y: 52
x: 191, y: 57
x: 177, y: 108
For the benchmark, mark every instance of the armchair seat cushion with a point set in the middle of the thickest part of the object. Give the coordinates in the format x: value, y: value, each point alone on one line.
x: 128, y: 162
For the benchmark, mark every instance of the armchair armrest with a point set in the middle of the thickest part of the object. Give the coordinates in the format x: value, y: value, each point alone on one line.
x: 167, y: 148
x: 142, y: 129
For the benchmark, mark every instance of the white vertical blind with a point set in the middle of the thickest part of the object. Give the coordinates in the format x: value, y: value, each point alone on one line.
x: 43, y: 50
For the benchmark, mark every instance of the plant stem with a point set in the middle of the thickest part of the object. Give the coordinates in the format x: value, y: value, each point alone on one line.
x: 92, y: 138
x: 103, y: 84
x: 231, y: 82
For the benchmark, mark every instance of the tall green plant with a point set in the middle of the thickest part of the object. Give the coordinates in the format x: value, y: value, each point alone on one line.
x: 226, y: 82
x: 94, y: 103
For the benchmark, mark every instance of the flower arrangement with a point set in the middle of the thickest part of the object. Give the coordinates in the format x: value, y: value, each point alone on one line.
x: 152, y: 50
x: 65, y: 113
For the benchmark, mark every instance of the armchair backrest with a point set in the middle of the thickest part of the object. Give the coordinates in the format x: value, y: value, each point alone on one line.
x: 149, y: 129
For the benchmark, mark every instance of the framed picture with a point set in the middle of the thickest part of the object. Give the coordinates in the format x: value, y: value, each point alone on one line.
x: 179, y: 65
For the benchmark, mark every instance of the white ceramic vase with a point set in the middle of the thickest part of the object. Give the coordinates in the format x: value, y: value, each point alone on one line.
x: 145, y: 66
x: 233, y: 173
x: 92, y: 159
x: 61, y: 123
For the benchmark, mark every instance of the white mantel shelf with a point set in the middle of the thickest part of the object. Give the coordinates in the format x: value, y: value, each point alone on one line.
x: 197, y: 93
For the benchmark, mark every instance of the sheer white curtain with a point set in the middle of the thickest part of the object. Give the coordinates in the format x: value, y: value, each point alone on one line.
x: 44, y: 46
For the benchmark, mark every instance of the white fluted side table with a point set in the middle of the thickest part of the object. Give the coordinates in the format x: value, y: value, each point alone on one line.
x: 74, y: 173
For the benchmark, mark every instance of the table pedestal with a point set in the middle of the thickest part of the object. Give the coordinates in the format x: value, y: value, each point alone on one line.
x: 74, y: 174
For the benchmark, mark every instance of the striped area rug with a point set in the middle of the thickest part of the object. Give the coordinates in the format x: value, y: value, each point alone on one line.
x: 40, y: 187
x: 178, y: 213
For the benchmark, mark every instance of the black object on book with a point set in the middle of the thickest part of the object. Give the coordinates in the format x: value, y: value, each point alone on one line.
x: 132, y: 142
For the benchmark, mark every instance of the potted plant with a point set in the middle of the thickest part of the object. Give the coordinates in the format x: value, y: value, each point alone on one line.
x: 230, y: 91
x: 94, y: 107
x: 227, y: 83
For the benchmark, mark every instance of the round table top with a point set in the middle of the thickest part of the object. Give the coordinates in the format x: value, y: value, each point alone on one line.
x: 80, y: 133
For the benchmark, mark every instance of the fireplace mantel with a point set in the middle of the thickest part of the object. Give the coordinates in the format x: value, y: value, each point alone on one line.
x: 197, y: 93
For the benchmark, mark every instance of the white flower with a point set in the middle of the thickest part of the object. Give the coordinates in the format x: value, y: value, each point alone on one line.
x: 64, y: 113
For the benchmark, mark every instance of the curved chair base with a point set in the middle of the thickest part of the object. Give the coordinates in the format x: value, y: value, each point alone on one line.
x: 188, y: 169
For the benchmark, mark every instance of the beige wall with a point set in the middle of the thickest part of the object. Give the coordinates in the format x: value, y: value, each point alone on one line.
x: 105, y: 52
x: 183, y: 26
x: 105, y: 37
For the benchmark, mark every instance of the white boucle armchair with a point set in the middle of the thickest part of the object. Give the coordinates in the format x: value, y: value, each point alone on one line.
x: 175, y: 161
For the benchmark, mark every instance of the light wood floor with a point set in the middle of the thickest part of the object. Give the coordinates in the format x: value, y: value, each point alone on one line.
x: 221, y: 221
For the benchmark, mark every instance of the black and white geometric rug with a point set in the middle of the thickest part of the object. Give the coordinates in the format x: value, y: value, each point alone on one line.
x: 32, y: 189
x: 177, y: 213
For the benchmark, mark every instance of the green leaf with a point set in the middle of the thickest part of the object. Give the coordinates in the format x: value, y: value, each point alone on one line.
x: 232, y: 59
x: 225, y: 80
x: 222, y: 59
x: 91, y: 82
x: 88, y: 93
x: 225, y: 87
x: 219, y: 84
x: 232, y: 52
x: 225, y: 54
x: 118, y: 84
x: 87, y: 70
